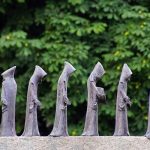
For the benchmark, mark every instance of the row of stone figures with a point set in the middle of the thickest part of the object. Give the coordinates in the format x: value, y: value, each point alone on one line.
x: 96, y: 95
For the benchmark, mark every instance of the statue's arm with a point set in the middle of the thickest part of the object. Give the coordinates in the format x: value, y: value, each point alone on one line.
x: 3, y: 96
x: 99, y: 92
x: 122, y: 106
x: 124, y: 95
x: 94, y: 106
x: 95, y: 88
x: 65, y: 98
x: 34, y: 96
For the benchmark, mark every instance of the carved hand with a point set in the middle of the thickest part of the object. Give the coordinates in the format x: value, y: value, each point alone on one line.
x: 122, y: 106
x: 102, y: 98
x: 127, y: 100
x: 94, y: 106
x: 66, y: 100
x: 4, y: 102
x: 62, y: 107
x: 31, y: 108
x: 37, y: 102
x: 101, y: 95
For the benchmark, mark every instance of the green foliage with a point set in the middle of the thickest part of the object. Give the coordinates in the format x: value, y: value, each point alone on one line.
x: 82, y: 32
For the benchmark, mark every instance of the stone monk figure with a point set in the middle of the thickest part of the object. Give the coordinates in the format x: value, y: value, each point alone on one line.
x: 121, y: 124
x: 95, y: 95
x: 31, y: 123
x: 60, y: 124
x: 8, y: 98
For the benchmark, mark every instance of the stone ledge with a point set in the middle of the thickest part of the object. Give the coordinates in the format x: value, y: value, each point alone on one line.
x: 75, y: 143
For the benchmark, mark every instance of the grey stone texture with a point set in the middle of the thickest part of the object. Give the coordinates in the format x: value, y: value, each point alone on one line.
x: 8, y: 99
x: 75, y: 143
x: 31, y: 121
x: 60, y: 127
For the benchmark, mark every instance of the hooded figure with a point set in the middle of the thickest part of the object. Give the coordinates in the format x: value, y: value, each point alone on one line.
x: 121, y: 125
x: 8, y: 98
x: 60, y: 124
x: 95, y: 95
x: 31, y: 123
x: 148, y: 127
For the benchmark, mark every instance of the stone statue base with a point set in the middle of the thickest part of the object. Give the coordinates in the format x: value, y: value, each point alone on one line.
x: 75, y: 143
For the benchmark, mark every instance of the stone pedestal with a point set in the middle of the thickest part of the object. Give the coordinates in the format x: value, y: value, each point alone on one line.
x: 75, y: 143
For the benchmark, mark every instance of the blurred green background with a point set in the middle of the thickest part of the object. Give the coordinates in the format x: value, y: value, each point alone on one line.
x: 48, y: 32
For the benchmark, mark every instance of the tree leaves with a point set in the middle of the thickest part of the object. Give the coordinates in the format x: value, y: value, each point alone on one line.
x: 82, y: 32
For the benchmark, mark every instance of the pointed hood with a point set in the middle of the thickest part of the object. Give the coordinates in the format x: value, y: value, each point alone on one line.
x: 97, y: 72
x: 69, y: 68
x: 9, y: 73
x: 126, y: 73
x: 39, y: 72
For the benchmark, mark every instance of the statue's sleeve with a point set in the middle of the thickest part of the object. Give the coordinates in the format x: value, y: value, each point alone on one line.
x: 3, y: 96
x: 65, y: 98
x: 34, y: 96
x: 123, y: 94
x: 122, y: 91
x: 101, y: 94
x: 99, y: 91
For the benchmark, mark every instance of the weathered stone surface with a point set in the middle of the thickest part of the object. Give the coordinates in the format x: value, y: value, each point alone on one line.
x: 75, y: 143
x: 31, y: 122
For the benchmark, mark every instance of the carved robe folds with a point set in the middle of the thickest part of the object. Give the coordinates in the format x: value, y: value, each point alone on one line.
x: 95, y: 95
x: 60, y: 124
x: 31, y: 123
x: 121, y: 124
x: 8, y: 98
